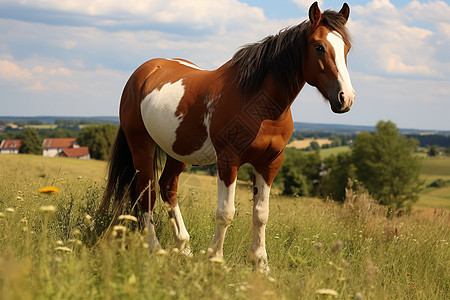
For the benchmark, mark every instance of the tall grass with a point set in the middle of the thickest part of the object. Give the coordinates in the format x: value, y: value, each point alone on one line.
x: 49, y: 247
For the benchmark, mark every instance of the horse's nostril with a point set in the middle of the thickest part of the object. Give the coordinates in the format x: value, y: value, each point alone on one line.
x: 341, y: 98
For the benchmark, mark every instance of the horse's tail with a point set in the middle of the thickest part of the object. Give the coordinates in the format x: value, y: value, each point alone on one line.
x: 121, y: 184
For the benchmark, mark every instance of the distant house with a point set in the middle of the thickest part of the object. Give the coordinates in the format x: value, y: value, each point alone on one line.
x: 53, y: 147
x: 10, y: 146
x: 80, y: 153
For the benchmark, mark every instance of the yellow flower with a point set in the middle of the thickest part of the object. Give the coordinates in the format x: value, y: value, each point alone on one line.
x: 49, y: 190
x: 218, y: 260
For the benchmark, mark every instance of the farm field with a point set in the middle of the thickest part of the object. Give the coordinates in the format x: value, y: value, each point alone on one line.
x: 302, y: 144
x: 316, y: 249
x: 432, y: 170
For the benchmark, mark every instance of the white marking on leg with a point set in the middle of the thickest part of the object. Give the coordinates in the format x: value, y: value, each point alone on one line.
x: 344, y: 81
x: 224, y: 216
x: 258, y: 254
x: 179, y: 230
x: 153, y: 242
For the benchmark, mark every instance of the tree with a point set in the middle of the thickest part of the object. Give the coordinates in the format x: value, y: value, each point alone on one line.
x: 314, y: 145
x: 31, y: 142
x: 99, y: 139
x: 299, y: 174
x: 340, y: 169
x: 386, y: 165
x: 433, y: 151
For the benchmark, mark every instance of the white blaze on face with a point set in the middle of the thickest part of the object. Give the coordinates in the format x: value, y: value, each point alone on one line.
x: 337, y: 42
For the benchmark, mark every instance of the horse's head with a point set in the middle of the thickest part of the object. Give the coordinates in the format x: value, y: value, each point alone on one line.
x: 325, y: 64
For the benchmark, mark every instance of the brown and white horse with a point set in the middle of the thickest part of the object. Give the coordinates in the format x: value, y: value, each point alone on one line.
x: 237, y: 114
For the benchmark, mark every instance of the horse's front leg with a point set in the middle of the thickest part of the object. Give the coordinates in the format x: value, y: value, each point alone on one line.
x: 261, y: 191
x: 226, y: 182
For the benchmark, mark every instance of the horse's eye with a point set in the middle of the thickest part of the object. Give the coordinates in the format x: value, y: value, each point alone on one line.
x: 320, y: 48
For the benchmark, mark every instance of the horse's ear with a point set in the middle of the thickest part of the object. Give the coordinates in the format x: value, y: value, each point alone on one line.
x: 315, y: 15
x: 345, y: 11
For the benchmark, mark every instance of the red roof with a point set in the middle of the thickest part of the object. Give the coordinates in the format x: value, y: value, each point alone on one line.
x: 11, y: 144
x: 75, y: 152
x: 58, y: 143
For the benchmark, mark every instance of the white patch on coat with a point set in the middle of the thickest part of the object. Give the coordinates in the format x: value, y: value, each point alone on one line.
x: 190, y: 65
x: 337, y: 42
x: 158, y: 114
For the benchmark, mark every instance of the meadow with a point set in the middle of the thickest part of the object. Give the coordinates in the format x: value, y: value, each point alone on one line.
x: 49, y: 245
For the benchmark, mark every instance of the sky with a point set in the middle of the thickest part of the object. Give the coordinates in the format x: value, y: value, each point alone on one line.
x: 73, y: 57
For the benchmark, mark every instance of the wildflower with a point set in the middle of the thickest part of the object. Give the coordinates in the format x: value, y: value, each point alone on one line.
x: 161, y: 252
x: 10, y: 209
x: 76, y: 242
x: 128, y: 217
x: 329, y: 292
x: 175, y: 250
x: 63, y: 249
x: 49, y: 190
x: 2, y: 215
x: 218, y: 260
x: 119, y: 228
x: 87, y: 219
x: 48, y: 208
x: 76, y: 232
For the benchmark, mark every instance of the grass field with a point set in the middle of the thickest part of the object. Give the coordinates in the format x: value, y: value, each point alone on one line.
x: 49, y: 250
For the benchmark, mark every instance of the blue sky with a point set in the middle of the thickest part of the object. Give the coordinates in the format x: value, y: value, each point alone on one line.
x: 72, y: 58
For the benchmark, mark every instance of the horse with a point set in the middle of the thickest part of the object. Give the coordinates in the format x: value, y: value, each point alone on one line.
x: 239, y: 113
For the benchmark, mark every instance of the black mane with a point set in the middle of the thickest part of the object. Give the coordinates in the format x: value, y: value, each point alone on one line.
x: 281, y: 55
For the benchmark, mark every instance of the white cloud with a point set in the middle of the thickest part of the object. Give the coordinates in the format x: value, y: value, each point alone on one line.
x: 194, y: 14
x: 306, y: 4
x: 386, y: 43
x: 432, y: 11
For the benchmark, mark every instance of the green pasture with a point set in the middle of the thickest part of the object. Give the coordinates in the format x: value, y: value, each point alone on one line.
x: 49, y: 245
x: 432, y: 170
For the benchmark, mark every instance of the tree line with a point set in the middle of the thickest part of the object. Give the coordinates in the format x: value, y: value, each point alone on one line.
x: 382, y: 162
x: 99, y: 139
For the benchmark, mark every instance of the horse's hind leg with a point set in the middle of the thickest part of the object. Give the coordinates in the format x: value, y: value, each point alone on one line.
x: 169, y: 186
x: 143, y: 152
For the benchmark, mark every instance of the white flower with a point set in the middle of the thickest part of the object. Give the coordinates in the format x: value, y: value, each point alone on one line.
x: 128, y: 217
x: 327, y: 292
x: 49, y: 208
